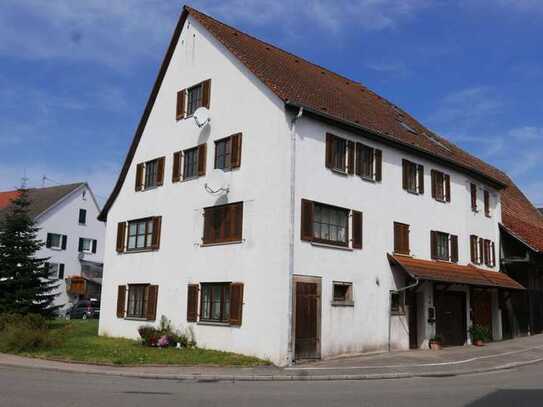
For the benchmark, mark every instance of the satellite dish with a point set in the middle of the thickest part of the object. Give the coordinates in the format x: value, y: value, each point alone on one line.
x: 218, y: 181
x: 201, y: 116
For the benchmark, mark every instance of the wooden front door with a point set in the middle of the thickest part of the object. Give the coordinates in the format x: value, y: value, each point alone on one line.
x: 451, y: 317
x: 307, y: 319
x: 481, y: 305
x: 411, y: 300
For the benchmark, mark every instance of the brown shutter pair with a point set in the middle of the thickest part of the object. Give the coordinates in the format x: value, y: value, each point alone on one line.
x: 357, y: 229
x: 176, y: 172
x: 473, y: 189
x: 157, y: 225
x: 139, y: 177
x: 350, y: 157
x: 401, y: 238
x: 420, y: 174
x: 454, y: 248
x: 405, y: 174
x: 473, y: 249
x: 192, y: 303
x: 487, y: 203
x: 433, y: 244
x: 202, y: 155
x: 223, y: 223
x: 121, y: 235
x: 329, y: 156
x: 307, y: 220
x: 121, y: 301
x: 434, y: 183
x: 378, y: 165
x: 235, y: 143
x: 180, y: 110
x: 236, y: 303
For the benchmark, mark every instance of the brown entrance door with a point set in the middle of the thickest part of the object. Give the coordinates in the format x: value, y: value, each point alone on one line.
x: 307, y: 303
x: 451, y: 318
x: 411, y: 300
x: 481, y: 305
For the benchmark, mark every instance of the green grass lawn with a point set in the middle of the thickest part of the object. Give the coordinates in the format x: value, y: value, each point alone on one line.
x: 82, y: 343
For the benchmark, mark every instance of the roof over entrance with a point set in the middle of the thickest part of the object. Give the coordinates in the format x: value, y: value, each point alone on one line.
x: 453, y: 273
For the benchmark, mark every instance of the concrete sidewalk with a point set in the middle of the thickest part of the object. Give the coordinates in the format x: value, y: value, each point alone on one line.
x: 420, y: 363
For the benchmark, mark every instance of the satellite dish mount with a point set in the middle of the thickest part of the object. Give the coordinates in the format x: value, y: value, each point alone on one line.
x: 201, y: 116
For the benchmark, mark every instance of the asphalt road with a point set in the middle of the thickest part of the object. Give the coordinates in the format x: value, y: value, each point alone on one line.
x: 36, y: 388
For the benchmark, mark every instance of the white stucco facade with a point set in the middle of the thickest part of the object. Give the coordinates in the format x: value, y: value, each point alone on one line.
x: 63, y: 218
x: 271, y: 249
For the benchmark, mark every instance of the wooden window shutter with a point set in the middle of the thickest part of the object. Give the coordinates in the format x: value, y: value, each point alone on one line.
x: 157, y: 225
x: 357, y: 230
x: 350, y: 157
x: 80, y: 245
x: 208, y: 217
x: 493, y: 254
x: 61, y: 267
x: 64, y: 242
x: 152, y: 300
x: 160, y: 171
x: 473, y: 248
x: 94, y: 245
x: 236, y: 304
x: 447, y: 187
x: 405, y: 174
x: 378, y: 165
x: 433, y: 244
x: 180, y: 110
x: 401, y: 238
x: 48, y: 241
x: 473, y: 189
x: 202, y: 154
x: 121, y: 301
x: 139, y: 177
x: 434, y: 184
x: 481, y: 251
x: 454, y: 248
x: 358, y: 159
x: 235, y: 143
x: 206, y: 93
x: 329, y: 158
x: 236, y: 219
x: 420, y: 173
x: 307, y: 220
x: 121, y: 232
x: 192, y: 303
x: 176, y: 172
x: 487, y: 203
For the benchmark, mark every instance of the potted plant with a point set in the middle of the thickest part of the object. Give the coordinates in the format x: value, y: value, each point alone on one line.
x: 479, y: 335
x: 435, y: 342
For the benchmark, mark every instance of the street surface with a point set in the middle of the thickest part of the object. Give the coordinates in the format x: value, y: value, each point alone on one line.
x: 20, y: 387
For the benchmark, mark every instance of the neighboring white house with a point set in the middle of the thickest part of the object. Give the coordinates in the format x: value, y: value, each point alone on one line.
x: 308, y: 217
x: 74, y: 238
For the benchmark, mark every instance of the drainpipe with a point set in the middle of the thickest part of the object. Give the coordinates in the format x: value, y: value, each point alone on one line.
x: 398, y: 291
x: 291, y: 231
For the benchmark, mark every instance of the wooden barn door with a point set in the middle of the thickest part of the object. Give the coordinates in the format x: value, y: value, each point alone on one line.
x: 307, y: 317
x: 451, y: 317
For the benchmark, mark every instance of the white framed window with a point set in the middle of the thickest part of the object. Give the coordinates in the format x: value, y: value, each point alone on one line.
x: 56, y: 270
x: 87, y: 245
x: 55, y: 241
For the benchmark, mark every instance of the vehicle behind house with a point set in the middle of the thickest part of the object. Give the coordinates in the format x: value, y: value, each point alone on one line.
x: 84, y: 309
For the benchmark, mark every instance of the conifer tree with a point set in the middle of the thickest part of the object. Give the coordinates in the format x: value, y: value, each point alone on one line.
x: 26, y: 284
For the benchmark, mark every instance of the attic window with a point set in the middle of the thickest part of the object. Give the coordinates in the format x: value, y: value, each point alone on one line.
x: 436, y: 141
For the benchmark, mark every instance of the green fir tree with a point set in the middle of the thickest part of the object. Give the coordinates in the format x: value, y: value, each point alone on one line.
x: 26, y: 284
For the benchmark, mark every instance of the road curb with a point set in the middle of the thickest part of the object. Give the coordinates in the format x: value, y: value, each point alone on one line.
x: 282, y: 378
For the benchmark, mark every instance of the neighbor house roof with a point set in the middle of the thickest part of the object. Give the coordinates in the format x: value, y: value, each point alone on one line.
x: 41, y: 199
x: 453, y: 273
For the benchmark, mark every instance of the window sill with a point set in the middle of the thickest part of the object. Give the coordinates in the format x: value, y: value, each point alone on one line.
x: 398, y: 313
x: 137, y: 251
x: 58, y: 249
x: 413, y: 192
x: 403, y: 254
x: 82, y: 224
x: 443, y: 201
x: 190, y: 178
x: 340, y: 172
x: 145, y: 189
x: 211, y: 323
x: 332, y: 246
x: 137, y: 319
x: 222, y: 243
x: 368, y: 179
x: 342, y: 304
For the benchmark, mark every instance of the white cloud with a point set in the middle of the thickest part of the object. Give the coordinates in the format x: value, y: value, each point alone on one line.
x: 527, y: 133
x: 116, y: 32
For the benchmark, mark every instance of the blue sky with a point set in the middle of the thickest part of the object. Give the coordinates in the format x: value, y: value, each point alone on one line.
x: 75, y: 74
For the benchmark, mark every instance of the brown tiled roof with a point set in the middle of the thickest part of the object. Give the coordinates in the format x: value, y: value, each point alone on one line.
x: 453, y: 273
x: 42, y: 199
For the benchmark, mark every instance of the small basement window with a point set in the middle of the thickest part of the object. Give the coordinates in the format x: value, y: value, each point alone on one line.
x: 342, y: 294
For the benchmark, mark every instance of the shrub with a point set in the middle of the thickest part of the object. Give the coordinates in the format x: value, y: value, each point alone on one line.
x: 165, y: 336
x: 25, y: 333
x: 480, y: 333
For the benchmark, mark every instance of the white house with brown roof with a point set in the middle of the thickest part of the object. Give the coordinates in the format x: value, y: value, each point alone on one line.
x: 307, y: 218
x: 66, y: 216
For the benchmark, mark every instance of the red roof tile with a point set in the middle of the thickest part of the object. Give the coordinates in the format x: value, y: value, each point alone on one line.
x: 453, y: 273
x: 7, y: 197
